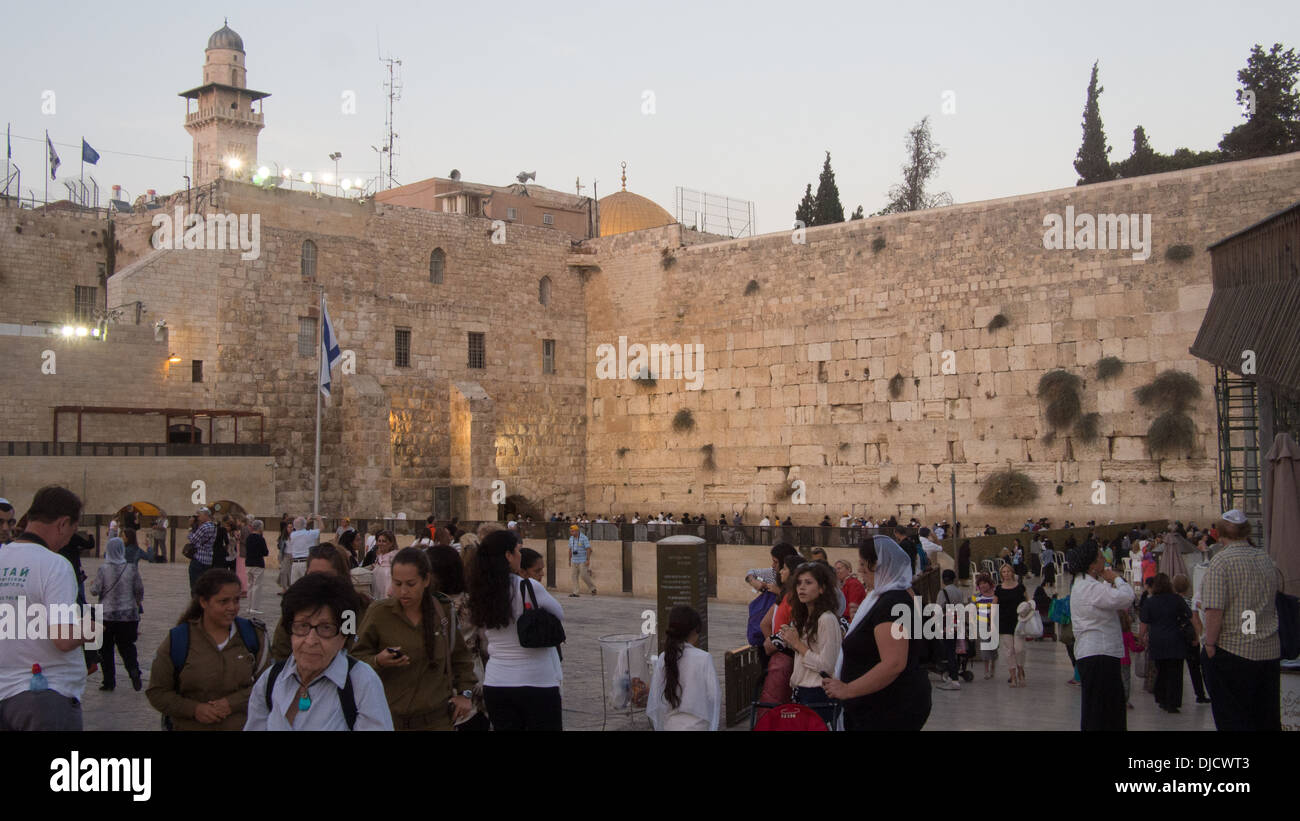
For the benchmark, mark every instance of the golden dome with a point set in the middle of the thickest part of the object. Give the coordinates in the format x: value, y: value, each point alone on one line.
x: 624, y: 211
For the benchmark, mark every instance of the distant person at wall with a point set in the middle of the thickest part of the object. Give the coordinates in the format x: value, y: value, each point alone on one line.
x: 255, y: 553
x: 36, y: 573
x: 199, y: 545
x: 121, y: 593
x: 684, y: 691
x: 301, y: 541
x: 580, y: 559
x: 382, y: 563
x: 1164, y: 615
x: 852, y: 589
x: 131, y: 547
x: 159, y: 546
x: 878, y: 676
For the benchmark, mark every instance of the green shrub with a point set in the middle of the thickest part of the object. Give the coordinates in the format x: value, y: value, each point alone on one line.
x: 1109, y: 367
x: 998, y: 321
x: 751, y: 288
x: 1178, y: 253
x: 667, y: 260
x: 1063, y: 410
x: 709, y: 464
x: 1008, y: 488
x: 896, y: 383
x: 683, y: 421
x: 892, y: 485
x: 878, y: 245
x: 1172, y: 390
x: 1057, y: 383
x: 623, y: 452
x: 1088, y: 428
x: 1171, y: 434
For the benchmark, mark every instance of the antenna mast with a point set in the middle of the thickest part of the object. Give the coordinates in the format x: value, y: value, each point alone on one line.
x: 393, y: 87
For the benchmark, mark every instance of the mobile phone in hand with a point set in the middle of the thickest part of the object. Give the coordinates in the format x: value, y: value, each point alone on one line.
x: 396, y: 651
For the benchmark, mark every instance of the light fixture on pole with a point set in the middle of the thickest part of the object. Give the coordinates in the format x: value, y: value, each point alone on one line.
x: 335, y: 157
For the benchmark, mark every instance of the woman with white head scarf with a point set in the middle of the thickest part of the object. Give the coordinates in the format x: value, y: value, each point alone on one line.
x: 121, y: 592
x: 878, y: 676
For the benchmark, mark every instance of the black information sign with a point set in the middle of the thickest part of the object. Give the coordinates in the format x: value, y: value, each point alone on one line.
x: 683, y: 578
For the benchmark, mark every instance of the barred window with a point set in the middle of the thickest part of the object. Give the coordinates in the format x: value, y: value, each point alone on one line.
x: 548, y: 356
x: 477, y: 351
x: 306, y: 336
x: 437, y: 265
x: 308, y: 260
x: 548, y: 219
x: 84, y: 303
x: 512, y: 213
x: 402, y: 348
x: 196, y: 370
x: 544, y: 291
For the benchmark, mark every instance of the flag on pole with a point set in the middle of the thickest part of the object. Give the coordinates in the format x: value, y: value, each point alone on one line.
x: 9, y: 145
x: 330, y: 353
x: 88, y: 154
x: 54, y: 157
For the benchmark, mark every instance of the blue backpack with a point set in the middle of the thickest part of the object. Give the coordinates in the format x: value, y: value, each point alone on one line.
x: 179, y: 651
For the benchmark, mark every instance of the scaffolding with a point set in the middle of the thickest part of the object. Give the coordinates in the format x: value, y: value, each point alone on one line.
x: 1237, y: 403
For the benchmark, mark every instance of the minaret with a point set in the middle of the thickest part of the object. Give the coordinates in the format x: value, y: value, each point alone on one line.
x: 224, y: 124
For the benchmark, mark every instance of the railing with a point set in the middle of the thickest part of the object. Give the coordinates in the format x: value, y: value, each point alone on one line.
x: 132, y: 449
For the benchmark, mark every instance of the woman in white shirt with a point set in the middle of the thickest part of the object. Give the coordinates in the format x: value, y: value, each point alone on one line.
x: 814, y: 633
x: 684, y: 691
x: 521, y: 685
x: 1096, y: 598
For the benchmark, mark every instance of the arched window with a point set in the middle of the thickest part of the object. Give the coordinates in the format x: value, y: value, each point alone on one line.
x: 544, y: 291
x: 437, y: 264
x: 309, y: 260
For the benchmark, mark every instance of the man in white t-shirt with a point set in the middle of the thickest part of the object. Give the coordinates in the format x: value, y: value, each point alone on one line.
x: 34, y: 575
x: 301, y: 541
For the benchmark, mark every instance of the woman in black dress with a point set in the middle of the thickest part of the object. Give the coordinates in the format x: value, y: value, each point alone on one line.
x: 1164, y: 613
x: 1009, y: 594
x: 879, y: 677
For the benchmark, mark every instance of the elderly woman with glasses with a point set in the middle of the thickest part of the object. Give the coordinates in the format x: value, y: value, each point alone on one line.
x: 319, y: 687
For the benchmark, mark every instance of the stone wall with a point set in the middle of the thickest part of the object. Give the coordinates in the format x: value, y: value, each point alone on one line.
x: 797, y: 375
x: 45, y: 255
x: 241, y: 317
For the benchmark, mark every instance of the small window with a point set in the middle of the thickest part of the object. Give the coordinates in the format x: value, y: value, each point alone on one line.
x: 306, y: 336
x: 477, y: 351
x: 544, y: 291
x: 101, y: 268
x: 512, y: 213
x: 548, y: 219
x: 309, y: 260
x: 548, y: 356
x: 84, y: 303
x: 402, y: 348
x: 437, y: 265
x: 196, y: 370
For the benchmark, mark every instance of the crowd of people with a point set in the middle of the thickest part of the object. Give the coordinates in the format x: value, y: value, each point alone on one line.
x: 458, y: 630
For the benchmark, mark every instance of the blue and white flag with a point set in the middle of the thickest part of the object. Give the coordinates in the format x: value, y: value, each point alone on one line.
x: 330, y: 353
x: 88, y: 154
x: 54, y: 157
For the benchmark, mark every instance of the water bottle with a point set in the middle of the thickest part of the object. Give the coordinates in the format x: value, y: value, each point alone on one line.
x: 38, y: 679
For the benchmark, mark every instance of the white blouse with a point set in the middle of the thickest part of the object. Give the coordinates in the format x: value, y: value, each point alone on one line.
x: 1094, y: 615
x: 701, y: 700
x: 511, y: 665
x: 822, y: 653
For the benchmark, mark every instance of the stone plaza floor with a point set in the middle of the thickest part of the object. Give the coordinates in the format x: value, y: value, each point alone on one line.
x: 1047, y: 703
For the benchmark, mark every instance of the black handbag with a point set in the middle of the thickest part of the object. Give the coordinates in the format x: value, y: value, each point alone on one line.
x: 537, y: 627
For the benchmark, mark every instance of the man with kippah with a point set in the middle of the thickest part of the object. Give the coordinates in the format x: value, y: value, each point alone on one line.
x: 1242, y: 653
x: 579, y: 554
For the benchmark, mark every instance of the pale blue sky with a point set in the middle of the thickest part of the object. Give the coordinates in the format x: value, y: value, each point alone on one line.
x: 748, y: 94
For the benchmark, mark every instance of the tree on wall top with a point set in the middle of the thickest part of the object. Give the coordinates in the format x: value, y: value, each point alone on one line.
x: 827, y: 208
x: 1092, y: 162
x: 1273, y: 117
x: 923, y: 157
x: 805, y: 212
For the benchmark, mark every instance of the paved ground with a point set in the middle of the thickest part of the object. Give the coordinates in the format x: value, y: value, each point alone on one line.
x: 1047, y: 703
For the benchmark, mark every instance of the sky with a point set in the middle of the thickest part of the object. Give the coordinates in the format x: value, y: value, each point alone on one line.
x: 747, y: 96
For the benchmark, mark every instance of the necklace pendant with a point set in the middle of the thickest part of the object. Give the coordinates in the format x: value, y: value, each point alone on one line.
x: 304, y: 703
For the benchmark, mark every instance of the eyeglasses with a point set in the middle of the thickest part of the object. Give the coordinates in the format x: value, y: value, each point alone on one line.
x: 326, y: 630
x: 10, y: 522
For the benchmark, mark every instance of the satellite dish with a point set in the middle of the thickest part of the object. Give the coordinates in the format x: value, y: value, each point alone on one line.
x: 455, y: 174
x: 525, y: 176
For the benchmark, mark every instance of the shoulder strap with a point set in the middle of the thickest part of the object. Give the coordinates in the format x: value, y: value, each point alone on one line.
x: 179, y: 651
x: 526, y: 593
x: 248, y: 633
x: 276, y: 669
x: 451, y: 644
x: 348, y: 698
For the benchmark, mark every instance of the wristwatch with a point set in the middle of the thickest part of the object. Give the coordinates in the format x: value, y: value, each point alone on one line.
x: 468, y: 694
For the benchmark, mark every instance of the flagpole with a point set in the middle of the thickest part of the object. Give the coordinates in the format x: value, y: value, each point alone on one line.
x: 320, y: 345
x: 83, y: 168
x: 48, y: 166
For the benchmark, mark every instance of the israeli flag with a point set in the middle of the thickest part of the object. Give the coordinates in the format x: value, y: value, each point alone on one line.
x: 330, y: 353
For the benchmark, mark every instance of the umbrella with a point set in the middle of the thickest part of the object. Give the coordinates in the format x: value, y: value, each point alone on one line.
x: 1282, y: 509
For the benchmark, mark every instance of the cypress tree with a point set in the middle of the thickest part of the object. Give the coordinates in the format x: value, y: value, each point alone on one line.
x: 804, y: 213
x: 1092, y: 163
x: 826, y: 208
x: 1273, y: 120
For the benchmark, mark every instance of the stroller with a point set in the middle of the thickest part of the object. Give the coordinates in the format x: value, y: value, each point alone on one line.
x: 790, y: 717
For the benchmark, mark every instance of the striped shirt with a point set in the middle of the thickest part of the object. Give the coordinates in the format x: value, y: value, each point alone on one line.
x: 1241, y: 580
